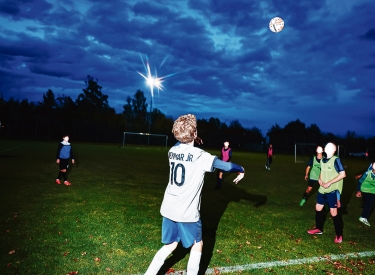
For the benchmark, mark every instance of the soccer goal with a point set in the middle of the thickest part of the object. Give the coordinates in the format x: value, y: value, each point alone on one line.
x: 341, y: 151
x: 144, y: 139
x: 303, y: 151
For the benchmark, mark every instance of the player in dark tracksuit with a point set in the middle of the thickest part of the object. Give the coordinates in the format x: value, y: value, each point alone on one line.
x: 63, y: 154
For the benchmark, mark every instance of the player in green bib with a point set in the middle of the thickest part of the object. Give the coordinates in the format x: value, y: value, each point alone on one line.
x: 331, y: 182
x: 312, y: 173
x: 366, y: 189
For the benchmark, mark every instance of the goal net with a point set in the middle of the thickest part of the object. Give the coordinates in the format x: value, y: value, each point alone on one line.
x: 303, y: 152
x: 145, y: 139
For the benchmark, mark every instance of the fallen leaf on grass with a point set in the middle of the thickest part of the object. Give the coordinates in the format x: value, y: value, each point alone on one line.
x: 7, y: 230
x: 66, y: 253
x: 72, y: 273
x: 219, y: 251
x: 12, y: 252
x: 171, y: 270
x: 76, y: 259
x: 299, y: 240
x: 247, y: 242
x: 104, y: 243
x: 84, y: 253
x: 97, y: 260
x: 108, y: 269
x: 8, y: 264
x: 216, y: 271
x: 259, y: 247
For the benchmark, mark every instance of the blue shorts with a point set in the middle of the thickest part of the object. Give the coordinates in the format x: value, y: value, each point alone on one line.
x: 186, y: 232
x: 332, y: 198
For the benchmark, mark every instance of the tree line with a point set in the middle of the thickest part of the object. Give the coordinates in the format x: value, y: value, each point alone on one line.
x: 90, y: 118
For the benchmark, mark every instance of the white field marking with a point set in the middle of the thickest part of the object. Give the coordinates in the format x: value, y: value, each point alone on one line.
x: 323, y: 258
x: 11, y: 148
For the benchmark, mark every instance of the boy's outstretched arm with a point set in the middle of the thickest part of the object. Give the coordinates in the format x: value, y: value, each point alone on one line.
x: 230, y: 167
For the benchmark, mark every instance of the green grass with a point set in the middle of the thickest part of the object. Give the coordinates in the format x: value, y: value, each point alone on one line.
x: 108, y: 220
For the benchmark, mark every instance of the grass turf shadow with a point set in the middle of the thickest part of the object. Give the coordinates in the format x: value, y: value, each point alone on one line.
x: 213, y: 205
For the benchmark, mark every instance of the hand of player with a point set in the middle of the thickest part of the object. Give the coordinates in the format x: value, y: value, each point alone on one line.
x: 198, y: 140
x: 326, y: 185
x: 72, y: 161
x: 58, y: 161
x: 239, y: 177
x: 358, y: 176
x: 306, y: 177
x: 359, y: 194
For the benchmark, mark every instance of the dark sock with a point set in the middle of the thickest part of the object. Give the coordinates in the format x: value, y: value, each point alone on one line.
x: 319, y: 220
x: 305, y: 195
x: 64, y: 176
x: 219, y: 182
x: 59, y: 175
x: 338, y: 223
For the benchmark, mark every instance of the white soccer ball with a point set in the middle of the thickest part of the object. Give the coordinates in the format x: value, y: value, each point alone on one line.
x: 276, y: 24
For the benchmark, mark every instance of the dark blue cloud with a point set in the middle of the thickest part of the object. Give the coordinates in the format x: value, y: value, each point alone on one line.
x: 228, y: 63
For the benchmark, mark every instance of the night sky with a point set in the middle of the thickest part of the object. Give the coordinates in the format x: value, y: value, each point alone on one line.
x: 320, y: 69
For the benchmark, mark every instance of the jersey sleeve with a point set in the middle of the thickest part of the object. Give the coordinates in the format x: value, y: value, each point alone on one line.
x: 338, y: 165
x: 228, y: 166
x: 207, y: 161
x: 310, y: 163
x: 58, y: 151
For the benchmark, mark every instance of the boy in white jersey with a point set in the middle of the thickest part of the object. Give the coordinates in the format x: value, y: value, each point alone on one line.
x: 181, y: 203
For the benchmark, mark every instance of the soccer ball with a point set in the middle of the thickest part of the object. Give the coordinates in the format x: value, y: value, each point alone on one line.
x: 276, y: 24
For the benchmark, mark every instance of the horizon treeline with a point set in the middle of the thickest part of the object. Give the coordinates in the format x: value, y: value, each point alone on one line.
x: 90, y: 118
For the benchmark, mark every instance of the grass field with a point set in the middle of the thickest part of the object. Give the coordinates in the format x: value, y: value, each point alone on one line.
x: 108, y: 220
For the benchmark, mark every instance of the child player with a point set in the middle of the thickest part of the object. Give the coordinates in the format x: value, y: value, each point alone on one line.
x: 226, y: 155
x: 312, y: 173
x: 331, y: 182
x: 181, y: 203
x: 63, y: 154
x: 366, y: 189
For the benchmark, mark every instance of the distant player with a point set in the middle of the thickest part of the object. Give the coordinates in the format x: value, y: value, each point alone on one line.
x: 312, y: 173
x: 63, y: 155
x: 226, y: 155
x: 182, y: 197
x: 270, y: 154
x: 331, y: 183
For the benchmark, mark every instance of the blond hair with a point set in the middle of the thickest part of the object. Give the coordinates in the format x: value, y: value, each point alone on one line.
x: 184, y: 128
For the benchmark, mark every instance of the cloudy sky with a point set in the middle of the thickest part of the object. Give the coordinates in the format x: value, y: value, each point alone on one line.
x: 320, y: 69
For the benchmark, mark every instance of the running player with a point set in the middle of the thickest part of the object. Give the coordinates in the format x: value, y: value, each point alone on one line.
x: 312, y: 173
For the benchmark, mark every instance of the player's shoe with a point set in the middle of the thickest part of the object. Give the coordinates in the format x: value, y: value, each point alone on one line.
x: 266, y: 166
x: 364, y: 221
x: 315, y: 231
x: 58, y: 181
x: 338, y: 239
x: 269, y: 168
x: 303, y: 201
x: 67, y: 182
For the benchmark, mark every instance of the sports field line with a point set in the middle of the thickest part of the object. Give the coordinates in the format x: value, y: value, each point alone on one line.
x: 332, y: 257
x: 12, y: 148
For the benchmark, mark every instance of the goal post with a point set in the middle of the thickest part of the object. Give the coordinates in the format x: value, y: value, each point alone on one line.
x: 148, y: 135
x: 341, y: 152
x: 303, y: 151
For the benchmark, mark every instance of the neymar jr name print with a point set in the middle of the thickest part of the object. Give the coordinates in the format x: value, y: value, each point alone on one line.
x: 181, y: 157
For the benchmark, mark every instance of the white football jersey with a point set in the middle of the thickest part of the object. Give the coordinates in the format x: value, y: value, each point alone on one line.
x: 182, y: 197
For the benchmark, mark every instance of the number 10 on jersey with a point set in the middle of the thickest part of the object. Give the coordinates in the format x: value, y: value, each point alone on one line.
x: 177, y: 174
